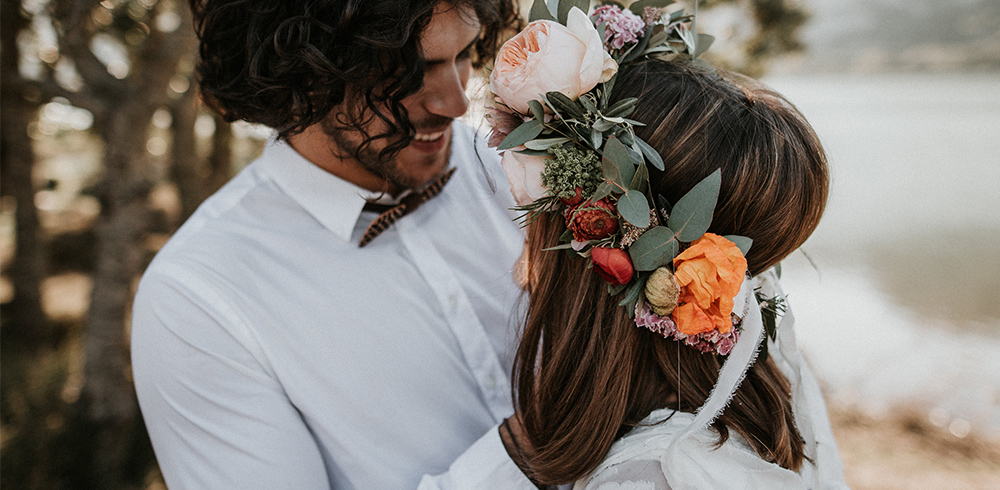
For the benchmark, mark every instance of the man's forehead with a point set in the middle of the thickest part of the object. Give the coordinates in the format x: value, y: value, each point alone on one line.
x: 451, y: 30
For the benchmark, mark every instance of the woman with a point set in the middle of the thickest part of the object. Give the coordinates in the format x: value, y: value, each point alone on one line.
x: 686, y: 385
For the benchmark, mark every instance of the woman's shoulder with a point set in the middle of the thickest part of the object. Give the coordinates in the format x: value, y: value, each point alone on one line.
x: 653, y: 456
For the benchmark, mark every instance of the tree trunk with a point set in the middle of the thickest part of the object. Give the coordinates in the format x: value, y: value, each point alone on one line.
x: 108, y: 396
x: 220, y: 161
x: 24, y: 319
x: 188, y: 171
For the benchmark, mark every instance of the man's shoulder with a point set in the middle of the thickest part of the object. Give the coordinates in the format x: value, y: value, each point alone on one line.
x: 225, y: 222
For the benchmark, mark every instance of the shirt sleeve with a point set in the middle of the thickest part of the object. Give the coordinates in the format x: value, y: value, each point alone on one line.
x: 485, y: 464
x: 216, y: 415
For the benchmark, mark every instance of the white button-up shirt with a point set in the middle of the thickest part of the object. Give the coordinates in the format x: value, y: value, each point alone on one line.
x: 269, y: 351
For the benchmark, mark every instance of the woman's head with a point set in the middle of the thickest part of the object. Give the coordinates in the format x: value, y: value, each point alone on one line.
x: 774, y: 172
x: 585, y: 373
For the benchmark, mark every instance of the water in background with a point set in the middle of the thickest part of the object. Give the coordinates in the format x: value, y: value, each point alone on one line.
x: 903, y: 304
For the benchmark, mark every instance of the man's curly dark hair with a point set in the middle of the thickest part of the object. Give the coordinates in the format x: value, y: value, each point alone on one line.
x: 286, y: 64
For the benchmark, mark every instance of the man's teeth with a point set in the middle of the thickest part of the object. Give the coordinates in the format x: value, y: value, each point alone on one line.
x: 428, y: 136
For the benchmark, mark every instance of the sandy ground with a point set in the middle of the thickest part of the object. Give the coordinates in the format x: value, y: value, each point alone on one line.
x: 907, y: 452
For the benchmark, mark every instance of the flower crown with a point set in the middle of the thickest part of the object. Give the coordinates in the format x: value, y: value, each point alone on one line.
x: 567, y: 149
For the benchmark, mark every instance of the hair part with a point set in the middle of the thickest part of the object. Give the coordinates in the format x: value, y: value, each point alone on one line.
x: 584, y: 372
x: 289, y: 65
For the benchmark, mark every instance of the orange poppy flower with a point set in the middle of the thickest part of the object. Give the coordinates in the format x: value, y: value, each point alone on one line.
x: 709, y: 274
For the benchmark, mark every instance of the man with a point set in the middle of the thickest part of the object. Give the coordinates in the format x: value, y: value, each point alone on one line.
x: 269, y: 349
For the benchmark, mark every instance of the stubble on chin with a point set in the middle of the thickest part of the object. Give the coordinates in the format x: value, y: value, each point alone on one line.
x: 346, y: 144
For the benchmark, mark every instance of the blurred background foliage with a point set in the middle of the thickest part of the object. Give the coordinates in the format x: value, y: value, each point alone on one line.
x: 106, y: 149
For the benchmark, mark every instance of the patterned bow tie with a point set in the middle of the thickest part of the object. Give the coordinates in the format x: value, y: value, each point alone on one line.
x: 389, y: 213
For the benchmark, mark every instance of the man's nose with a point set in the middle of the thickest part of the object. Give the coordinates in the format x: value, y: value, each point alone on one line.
x: 445, y: 92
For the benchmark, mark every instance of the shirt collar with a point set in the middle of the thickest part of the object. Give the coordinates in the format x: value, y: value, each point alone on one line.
x: 334, y: 202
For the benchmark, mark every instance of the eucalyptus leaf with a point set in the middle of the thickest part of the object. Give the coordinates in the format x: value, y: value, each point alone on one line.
x: 634, y: 155
x: 665, y: 207
x: 622, y: 108
x: 704, y: 41
x: 596, y: 138
x: 540, y: 12
x: 536, y: 110
x: 632, y: 294
x: 689, y: 40
x: 566, y: 236
x: 617, y: 153
x: 652, y: 155
x: 614, y: 290
x: 640, y: 48
x: 545, y: 143
x: 742, y: 242
x: 603, y: 190
x: 558, y: 247
x: 612, y: 174
x: 640, y: 181
x: 566, y: 5
x: 603, y: 125
x: 607, y: 86
x: 563, y: 103
x: 534, y: 153
x: 660, y: 49
x: 521, y: 135
x: 656, y: 247
x: 634, y: 208
x: 659, y: 37
x: 637, y: 7
x: 692, y: 214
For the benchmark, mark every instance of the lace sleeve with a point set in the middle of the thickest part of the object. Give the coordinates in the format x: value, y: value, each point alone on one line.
x: 636, y: 474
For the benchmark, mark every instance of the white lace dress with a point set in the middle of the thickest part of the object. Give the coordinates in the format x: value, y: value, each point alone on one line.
x: 642, y: 460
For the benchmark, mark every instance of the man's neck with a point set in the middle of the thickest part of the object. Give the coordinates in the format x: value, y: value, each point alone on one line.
x: 315, y: 145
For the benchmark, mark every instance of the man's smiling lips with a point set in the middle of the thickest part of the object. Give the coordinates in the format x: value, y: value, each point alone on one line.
x: 429, y: 136
x: 431, y: 141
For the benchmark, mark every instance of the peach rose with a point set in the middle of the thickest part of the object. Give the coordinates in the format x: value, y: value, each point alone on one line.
x: 549, y: 57
x: 710, y: 273
x: 524, y: 173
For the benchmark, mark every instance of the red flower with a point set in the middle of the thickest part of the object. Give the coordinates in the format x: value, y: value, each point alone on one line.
x: 613, y: 264
x: 592, y: 221
x: 576, y: 199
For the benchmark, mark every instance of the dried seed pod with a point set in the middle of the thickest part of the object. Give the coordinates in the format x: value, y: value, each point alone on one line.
x: 662, y: 291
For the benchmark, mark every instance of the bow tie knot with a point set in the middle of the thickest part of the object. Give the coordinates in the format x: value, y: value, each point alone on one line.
x: 389, y: 213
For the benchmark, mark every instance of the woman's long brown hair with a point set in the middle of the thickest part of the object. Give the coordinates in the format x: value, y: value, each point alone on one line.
x: 584, y: 373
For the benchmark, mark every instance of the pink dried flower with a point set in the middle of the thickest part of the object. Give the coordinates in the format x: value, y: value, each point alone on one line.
x: 502, y: 120
x: 621, y: 27
x: 712, y: 341
x: 651, y: 15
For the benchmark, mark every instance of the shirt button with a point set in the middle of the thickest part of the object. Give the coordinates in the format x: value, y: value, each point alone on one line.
x: 453, y: 302
x: 491, y: 382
